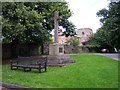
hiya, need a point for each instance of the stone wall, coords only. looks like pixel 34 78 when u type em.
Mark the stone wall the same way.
pixel 6 51
pixel 71 49
pixel 29 50
pixel 46 49
pixel 75 49
pixel 22 50
pixel 34 50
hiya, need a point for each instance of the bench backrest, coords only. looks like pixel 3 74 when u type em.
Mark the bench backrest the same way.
pixel 32 60
pixel 42 61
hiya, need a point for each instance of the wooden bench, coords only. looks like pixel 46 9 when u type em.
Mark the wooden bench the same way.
pixel 39 64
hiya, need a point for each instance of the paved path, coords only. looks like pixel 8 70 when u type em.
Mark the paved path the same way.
pixel 114 56
pixel 7 86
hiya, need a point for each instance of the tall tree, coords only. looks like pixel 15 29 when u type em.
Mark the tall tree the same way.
pixel 21 24
pixel 111 25
pixel 29 22
pixel 110 30
pixel 47 10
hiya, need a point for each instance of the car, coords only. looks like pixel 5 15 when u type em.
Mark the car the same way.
pixel 104 50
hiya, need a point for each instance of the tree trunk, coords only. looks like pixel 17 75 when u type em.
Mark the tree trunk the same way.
pixel 14 48
pixel 29 50
pixel 42 49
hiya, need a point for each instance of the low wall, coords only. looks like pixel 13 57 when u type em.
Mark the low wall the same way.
pixel 34 50
pixel 29 50
pixel 6 51
pixel 75 49
pixel 71 49
pixel 22 50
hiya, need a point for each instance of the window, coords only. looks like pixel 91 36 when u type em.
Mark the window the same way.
pixel 90 33
pixel 83 33
pixel 60 49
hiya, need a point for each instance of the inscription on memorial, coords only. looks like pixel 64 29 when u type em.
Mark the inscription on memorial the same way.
pixel 60 49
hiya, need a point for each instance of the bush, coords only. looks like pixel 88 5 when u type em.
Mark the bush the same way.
pixel 92 48
pixel 74 42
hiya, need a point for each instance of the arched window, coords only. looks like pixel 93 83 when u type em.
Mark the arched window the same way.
pixel 83 33
pixel 90 33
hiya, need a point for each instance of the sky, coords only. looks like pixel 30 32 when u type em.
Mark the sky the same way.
pixel 84 13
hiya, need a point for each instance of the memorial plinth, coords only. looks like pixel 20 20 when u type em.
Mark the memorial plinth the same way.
pixel 56 55
pixel 56 49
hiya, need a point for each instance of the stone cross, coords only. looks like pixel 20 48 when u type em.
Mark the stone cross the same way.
pixel 55 18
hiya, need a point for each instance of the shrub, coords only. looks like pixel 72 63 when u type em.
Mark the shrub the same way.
pixel 74 42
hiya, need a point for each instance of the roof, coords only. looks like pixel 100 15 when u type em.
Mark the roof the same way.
pixel 85 29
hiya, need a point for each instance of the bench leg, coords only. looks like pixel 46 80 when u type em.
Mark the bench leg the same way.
pixel 26 70
pixel 30 69
pixel 45 69
pixel 39 70
pixel 11 67
pixel 14 67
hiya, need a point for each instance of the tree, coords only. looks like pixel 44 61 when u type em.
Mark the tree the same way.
pixel 100 39
pixel 74 41
pixel 29 22
pixel 109 34
pixel 21 24
pixel 47 10
pixel 112 23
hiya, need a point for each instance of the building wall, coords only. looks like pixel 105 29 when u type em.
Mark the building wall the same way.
pixel 84 34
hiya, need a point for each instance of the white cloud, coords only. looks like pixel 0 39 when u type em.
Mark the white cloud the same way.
pixel 84 12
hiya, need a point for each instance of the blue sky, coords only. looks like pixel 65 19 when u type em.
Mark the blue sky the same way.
pixel 84 13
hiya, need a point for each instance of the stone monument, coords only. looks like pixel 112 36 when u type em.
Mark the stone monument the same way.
pixel 56 49
pixel 56 55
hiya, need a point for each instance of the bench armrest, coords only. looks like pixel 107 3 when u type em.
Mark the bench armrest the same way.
pixel 14 61
pixel 42 63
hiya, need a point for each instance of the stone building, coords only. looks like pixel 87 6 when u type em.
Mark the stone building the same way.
pixel 84 34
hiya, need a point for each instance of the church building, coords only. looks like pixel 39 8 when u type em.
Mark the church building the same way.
pixel 84 34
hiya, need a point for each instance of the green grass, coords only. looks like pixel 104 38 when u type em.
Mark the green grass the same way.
pixel 89 71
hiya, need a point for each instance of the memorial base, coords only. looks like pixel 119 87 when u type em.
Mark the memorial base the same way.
pixel 57 57
pixel 59 60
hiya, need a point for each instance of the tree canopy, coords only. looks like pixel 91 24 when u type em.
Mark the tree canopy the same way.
pixel 21 24
pixel 109 34
pixel 29 22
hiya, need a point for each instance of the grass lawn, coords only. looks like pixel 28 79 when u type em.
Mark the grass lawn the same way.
pixel 89 71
